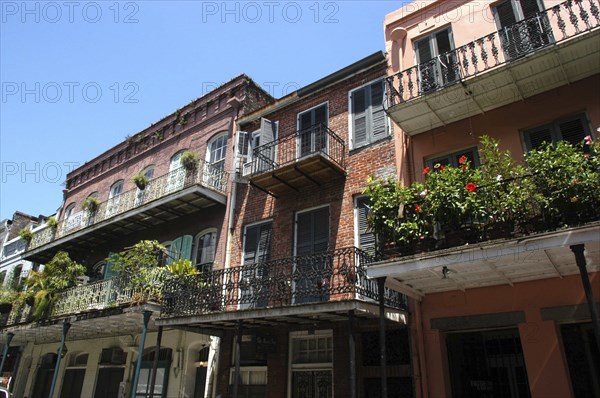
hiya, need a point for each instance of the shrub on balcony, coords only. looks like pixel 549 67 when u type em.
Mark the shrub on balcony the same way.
pixel 140 266
pixel 181 268
pixel 90 204
pixel 568 179
pixel 52 223
pixel 58 274
pixel 26 234
pixel 189 160
pixel 140 181
pixel 7 297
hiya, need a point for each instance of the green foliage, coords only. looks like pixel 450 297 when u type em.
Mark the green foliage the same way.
pixel 182 267
pixel 52 222
pixel 26 234
pixel 7 295
pixel 91 204
pixel 189 160
pixel 141 181
pixel 58 274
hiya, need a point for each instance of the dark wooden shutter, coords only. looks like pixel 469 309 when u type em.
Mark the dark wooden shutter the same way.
pixel 572 130
pixel 257 243
pixel 359 116
pixel 536 137
pixel 312 231
pixel 443 43
pixel 423 50
pixel 505 14
pixel 529 8
pixel 268 132
pixel 366 238
pixel 378 115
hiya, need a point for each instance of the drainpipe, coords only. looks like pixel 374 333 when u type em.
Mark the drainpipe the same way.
pixel 238 342
pixel 352 353
pixel 138 364
pixel 9 337
pixel 233 193
pixel 66 327
pixel 383 359
pixel 155 363
pixel 421 349
pixel 589 294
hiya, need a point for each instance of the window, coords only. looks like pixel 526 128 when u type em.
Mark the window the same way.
pixel 176 177
pixel 216 151
pixel 312 231
pixel 180 248
pixel 521 28
pixel 312 130
pixel 69 211
pixel 311 358
pixel 204 250
pixel 162 373
pixel 437 63
pixel 572 129
pixel 257 251
pixel 452 159
pixel 368 118
pixel 142 194
pixel 263 145
pixel 114 197
pixel 364 238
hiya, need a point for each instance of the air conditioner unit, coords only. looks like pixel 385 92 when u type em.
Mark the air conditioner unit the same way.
pixel 247 169
pixel 113 356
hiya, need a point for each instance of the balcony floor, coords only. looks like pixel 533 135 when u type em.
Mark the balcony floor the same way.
pixel 310 171
pixel 299 315
pixel 545 69
pixel 491 263
pixel 171 207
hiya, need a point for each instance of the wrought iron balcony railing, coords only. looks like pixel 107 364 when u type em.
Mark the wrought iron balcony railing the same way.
pixel 290 148
pixel 324 277
pixel 558 23
pixel 204 174
pixel 100 295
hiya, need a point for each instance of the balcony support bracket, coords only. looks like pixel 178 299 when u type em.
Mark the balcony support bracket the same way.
pixel 307 176
pixel 275 176
pixel 262 189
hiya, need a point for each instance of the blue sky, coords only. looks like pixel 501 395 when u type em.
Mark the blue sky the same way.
pixel 78 77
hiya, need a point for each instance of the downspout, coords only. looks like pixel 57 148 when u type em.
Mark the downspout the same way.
pixel 138 364
pixel 233 193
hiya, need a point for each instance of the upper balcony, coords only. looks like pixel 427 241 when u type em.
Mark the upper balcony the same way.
pixel 557 46
pixel 299 289
pixel 310 157
pixel 94 309
pixel 165 198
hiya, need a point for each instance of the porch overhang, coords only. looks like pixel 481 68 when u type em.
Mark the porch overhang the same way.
pixel 507 262
pixel 153 214
pixel 299 315
pixel 113 322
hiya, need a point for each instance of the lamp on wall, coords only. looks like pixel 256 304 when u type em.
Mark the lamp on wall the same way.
pixel 65 350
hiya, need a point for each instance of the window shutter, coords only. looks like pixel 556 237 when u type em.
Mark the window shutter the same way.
pixel 529 8
pixel 109 270
pixel 442 40
pixel 366 238
pixel 175 250
pixel 268 133
pixel 572 130
pixel 264 243
pixel 312 231
pixel 378 115
pixel 321 230
pixel 186 247
pixel 423 50
pixel 304 234
pixel 535 138
pixel 359 117
pixel 505 14
pixel 257 244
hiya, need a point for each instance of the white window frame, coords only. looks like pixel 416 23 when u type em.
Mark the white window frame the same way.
pixel 388 125
pixel 305 334
pixel 298 143
pixel 197 240
pixel 210 150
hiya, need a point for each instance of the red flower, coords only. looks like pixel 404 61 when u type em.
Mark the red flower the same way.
pixel 442 167
pixel 426 170
pixel 462 159
pixel 574 182
pixel 471 187
pixel 417 208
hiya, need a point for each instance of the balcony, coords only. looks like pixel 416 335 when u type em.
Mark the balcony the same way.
pixel 96 309
pixel 165 198
pixel 558 46
pixel 299 289
pixel 311 157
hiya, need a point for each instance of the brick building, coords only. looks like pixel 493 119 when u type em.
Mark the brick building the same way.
pixel 105 320
pixel 295 301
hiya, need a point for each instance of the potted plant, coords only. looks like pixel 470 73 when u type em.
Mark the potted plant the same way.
pixel 52 223
pixel 90 204
pixel 189 160
pixel 182 267
pixel 26 235
pixel 7 297
pixel 141 181
pixel 59 273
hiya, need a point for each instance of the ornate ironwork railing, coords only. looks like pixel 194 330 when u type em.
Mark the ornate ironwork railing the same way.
pixel 289 148
pixel 204 174
pixel 100 295
pixel 553 25
pixel 324 277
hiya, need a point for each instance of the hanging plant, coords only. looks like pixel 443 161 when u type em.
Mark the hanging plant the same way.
pixel 91 204
pixel 141 181
pixel 189 160
pixel 26 234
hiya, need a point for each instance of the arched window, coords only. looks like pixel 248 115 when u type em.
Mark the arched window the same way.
pixel 204 249
pixel 216 151
pixel 176 176
pixel 142 191
pixel 149 172
pixel 114 197
pixel 69 211
pixel 162 372
pixel 98 271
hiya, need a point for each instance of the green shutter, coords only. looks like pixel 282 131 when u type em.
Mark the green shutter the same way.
pixel 109 270
pixel 181 248
pixel 174 250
